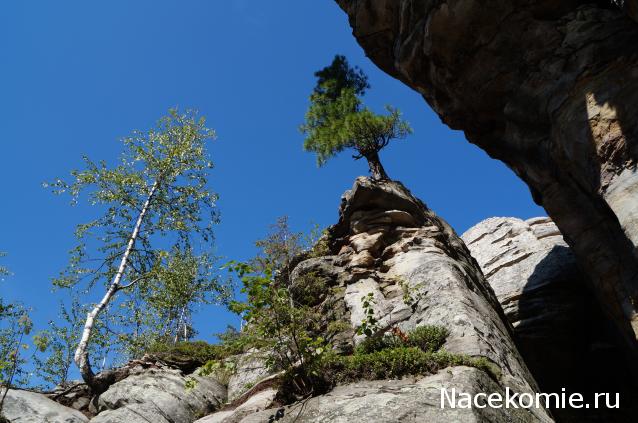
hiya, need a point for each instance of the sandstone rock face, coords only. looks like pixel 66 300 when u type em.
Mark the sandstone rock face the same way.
pixel 535 276
pixel 250 368
pixel 159 396
pixel 407 401
pixel 31 407
pixel 256 403
pixel 537 281
pixel 551 89
pixel 560 330
pixel 419 272
pixel 389 244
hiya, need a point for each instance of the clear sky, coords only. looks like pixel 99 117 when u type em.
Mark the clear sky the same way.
pixel 77 75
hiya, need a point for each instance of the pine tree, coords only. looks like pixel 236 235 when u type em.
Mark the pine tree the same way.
pixel 337 119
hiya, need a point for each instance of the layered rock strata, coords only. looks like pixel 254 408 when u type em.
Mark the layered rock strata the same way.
pixel 551 89
pixel 559 328
pixel 389 244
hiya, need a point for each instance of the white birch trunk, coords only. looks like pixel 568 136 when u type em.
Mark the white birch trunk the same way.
pixel 81 356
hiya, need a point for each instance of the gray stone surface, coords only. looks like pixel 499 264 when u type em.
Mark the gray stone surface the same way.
pixel 551 89
pixel 250 368
pixel 408 400
pixel 257 402
pixel 524 260
pixel 560 331
pixel 419 272
pixel 537 281
pixel 31 407
pixel 159 396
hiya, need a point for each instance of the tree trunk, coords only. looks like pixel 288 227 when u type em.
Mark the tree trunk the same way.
pixel 376 168
pixel 81 357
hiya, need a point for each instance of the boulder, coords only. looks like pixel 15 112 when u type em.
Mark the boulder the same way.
pixel 32 407
pixel 257 402
pixel 159 396
pixel 250 368
pixel 389 244
pixel 536 278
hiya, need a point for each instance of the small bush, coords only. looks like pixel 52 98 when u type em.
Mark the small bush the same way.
pixel 389 364
pixel 378 343
pixel 386 357
pixel 232 342
pixel 426 338
pixel 200 351
pixel 330 369
pixel 321 243
pixel 219 370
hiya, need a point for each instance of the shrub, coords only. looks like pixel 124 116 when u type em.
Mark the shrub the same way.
pixel 386 357
pixel 331 369
pixel 389 364
pixel 220 370
pixel 426 338
pixel 200 351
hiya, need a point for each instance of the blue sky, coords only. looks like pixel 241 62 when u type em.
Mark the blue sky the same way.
pixel 78 75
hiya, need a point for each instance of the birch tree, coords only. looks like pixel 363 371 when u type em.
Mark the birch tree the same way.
pixel 154 200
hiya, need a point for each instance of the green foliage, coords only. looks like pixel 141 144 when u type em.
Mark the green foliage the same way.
pixel 411 294
pixel 407 295
pixel 62 338
pixel 200 351
pixel 182 282
pixel 320 242
pixel 333 79
pixel 15 325
pixel 390 364
pixel 279 319
pixel 426 338
pixel 232 342
pixel 275 321
pixel 221 370
pixel 337 120
pixel 169 268
pixel 387 357
pixel 369 325
pixel 172 153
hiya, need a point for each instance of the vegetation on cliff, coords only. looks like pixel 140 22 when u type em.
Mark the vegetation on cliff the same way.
pixel 337 119
pixel 286 324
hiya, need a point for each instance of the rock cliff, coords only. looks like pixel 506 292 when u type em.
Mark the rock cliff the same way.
pixel 558 326
pixel 506 286
pixel 389 244
pixel 548 87
pixel 535 277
